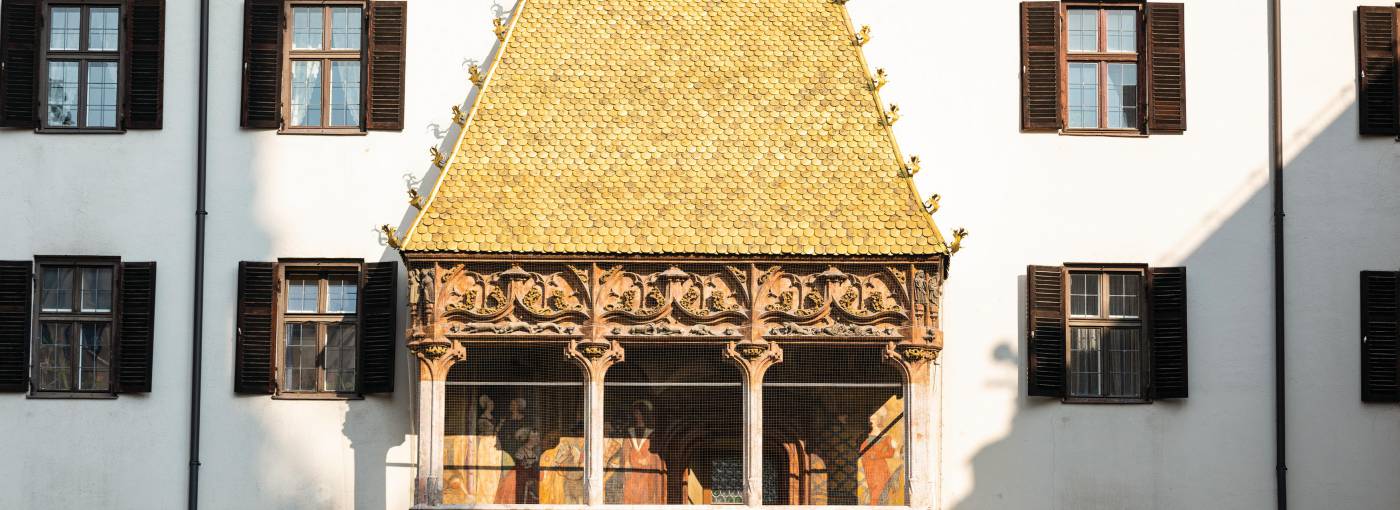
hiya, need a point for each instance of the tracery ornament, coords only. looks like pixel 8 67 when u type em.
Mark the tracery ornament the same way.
pixel 697 301
pixel 550 300
pixel 869 302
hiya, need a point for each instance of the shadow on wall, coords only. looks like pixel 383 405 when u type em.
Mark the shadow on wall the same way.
pixel 1039 462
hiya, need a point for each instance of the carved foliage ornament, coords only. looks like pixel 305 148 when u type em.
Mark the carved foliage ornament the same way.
pixel 832 302
pixel 702 301
pixel 513 300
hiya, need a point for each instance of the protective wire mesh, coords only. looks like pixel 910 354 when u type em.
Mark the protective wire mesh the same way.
pixel 514 426
pixel 833 428
pixel 674 426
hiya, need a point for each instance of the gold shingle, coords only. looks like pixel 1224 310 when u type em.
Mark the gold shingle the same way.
pixel 734 127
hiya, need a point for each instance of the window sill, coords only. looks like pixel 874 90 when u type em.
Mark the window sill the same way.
pixel 62 395
pixel 1119 133
pixel 317 396
pixel 77 131
pixel 323 131
pixel 1105 401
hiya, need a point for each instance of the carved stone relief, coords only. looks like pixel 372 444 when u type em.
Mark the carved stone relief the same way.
pixel 695 301
pixel 546 300
pixel 864 302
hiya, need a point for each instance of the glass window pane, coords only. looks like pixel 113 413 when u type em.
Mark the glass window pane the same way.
pixel 102 29
pixel 1122 30
pixel 1124 295
pixel 63 94
pixel 340 357
pixel 345 93
pixel 308 28
pixel 1085 362
pixel 1122 353
pixel 1122 96
pixel 1084 294
pixel 833 429
pixel 300 357
pixel 341 294
pixel 1083 95
pixel 97 289
pixel 302 294
pixel 101 94
pixel 94 357
pixel 514 427
pixel 345 28
pixel 306 93
pixel 53 361
pixel 1083 29
pixel 57 286
pixel 65 28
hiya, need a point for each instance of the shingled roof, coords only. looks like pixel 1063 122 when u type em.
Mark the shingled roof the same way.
pixel 710 127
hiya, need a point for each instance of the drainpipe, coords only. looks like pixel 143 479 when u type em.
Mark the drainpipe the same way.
pixel 197 339
pixel 1276 180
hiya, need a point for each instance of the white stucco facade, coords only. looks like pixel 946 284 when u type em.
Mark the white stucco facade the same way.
pixel 1200 200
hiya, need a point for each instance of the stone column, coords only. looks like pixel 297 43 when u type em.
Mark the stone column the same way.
pixel 915 361
pixel 595 356
pixel 754 357
pixel 435 358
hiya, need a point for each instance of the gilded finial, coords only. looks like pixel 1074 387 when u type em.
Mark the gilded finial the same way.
pixel 892 116
pixel 438 159
pixel 500 24
pixel 864 35
pixel 931 205
pixel 912 168
pixel 958 236
pixel 879 80
pixel 458 117
pixel 414 199
pixel 839 2
pixel 477 77
pixel 390 235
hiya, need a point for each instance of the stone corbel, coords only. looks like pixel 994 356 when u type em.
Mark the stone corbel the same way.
pixel 595 356
pixel 754 357
pixel 436 357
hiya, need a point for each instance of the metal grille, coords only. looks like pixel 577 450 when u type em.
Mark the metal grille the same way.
pixel 674 426
pixel 833 428
pixel 514 426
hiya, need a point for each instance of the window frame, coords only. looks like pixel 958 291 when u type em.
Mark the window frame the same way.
pixel 1104 320
pixel 323 269
pixel 82 56
pixel 1102 57
pixel 325 56
pixel 112 317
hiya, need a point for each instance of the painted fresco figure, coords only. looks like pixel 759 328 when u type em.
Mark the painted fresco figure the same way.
pixel 643 471
pixel 562 474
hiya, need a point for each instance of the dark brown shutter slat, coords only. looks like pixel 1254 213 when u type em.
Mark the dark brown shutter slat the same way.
pixel 145 63
pixel 136 340
pixel 1378 80
pixel 1040 66
pixel 19 61
pixel 1166 67
pixel 262 63
pixel 379 322
pixel 1045 316
pixel 388 38
pixel 15 295
pixel 253 364
pixel 1167 299
pixel 1380 336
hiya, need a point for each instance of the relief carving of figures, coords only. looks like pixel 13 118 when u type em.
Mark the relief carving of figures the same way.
pixel 674 302
pixel 475 300
pixel 832 302
pixel 420 299
pixel 927 289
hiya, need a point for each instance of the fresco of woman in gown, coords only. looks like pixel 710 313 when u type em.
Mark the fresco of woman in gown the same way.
pixel 638 474
pixel 882 460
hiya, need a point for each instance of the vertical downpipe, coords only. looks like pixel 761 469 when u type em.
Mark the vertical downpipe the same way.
pixel 197 336
pixel 1276 179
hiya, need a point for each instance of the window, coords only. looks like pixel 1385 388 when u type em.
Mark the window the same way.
pixel 324 62
pixel 319 328
pixel 1083 63
pixel 1378 90
pixel 1106 332
pixel 81 64
pixel 73 351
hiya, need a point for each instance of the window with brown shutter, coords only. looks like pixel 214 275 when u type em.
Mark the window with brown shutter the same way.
pixel 1102 67
pixel 73 66
pixel 1106 332
pixel 1378 76
pixel 323 67
pixel 316 328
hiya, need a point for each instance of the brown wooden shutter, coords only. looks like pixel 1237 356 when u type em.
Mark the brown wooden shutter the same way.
pixel 1166 67
pixel 15 306
pixel 1378 90
pixel 262 63
pixel 144 64
pixel 253 364
pixel 1380 336
pixel 1045 325
pixel 1040 66
pixel 1167 300
pixel 136 339
pixel 388 36
pixel 19 61
pixel 378 324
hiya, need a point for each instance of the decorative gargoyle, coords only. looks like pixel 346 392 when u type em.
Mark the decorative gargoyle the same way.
pixel 500 28
pixel 458 117
pixel 477 76
pixel 439 160
pixel 892 116
pixel 958 236
pixel 390 235
pixel 931 205
pixel 414 199
pixel 912 168
pixel 879 80
pixel 863 36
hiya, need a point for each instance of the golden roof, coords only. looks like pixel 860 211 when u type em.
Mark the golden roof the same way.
pixel 715 127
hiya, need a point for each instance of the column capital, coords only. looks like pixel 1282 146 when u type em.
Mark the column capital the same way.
pixel 596 356
pixel 912 358
pixel 755 357
pixel 436 357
